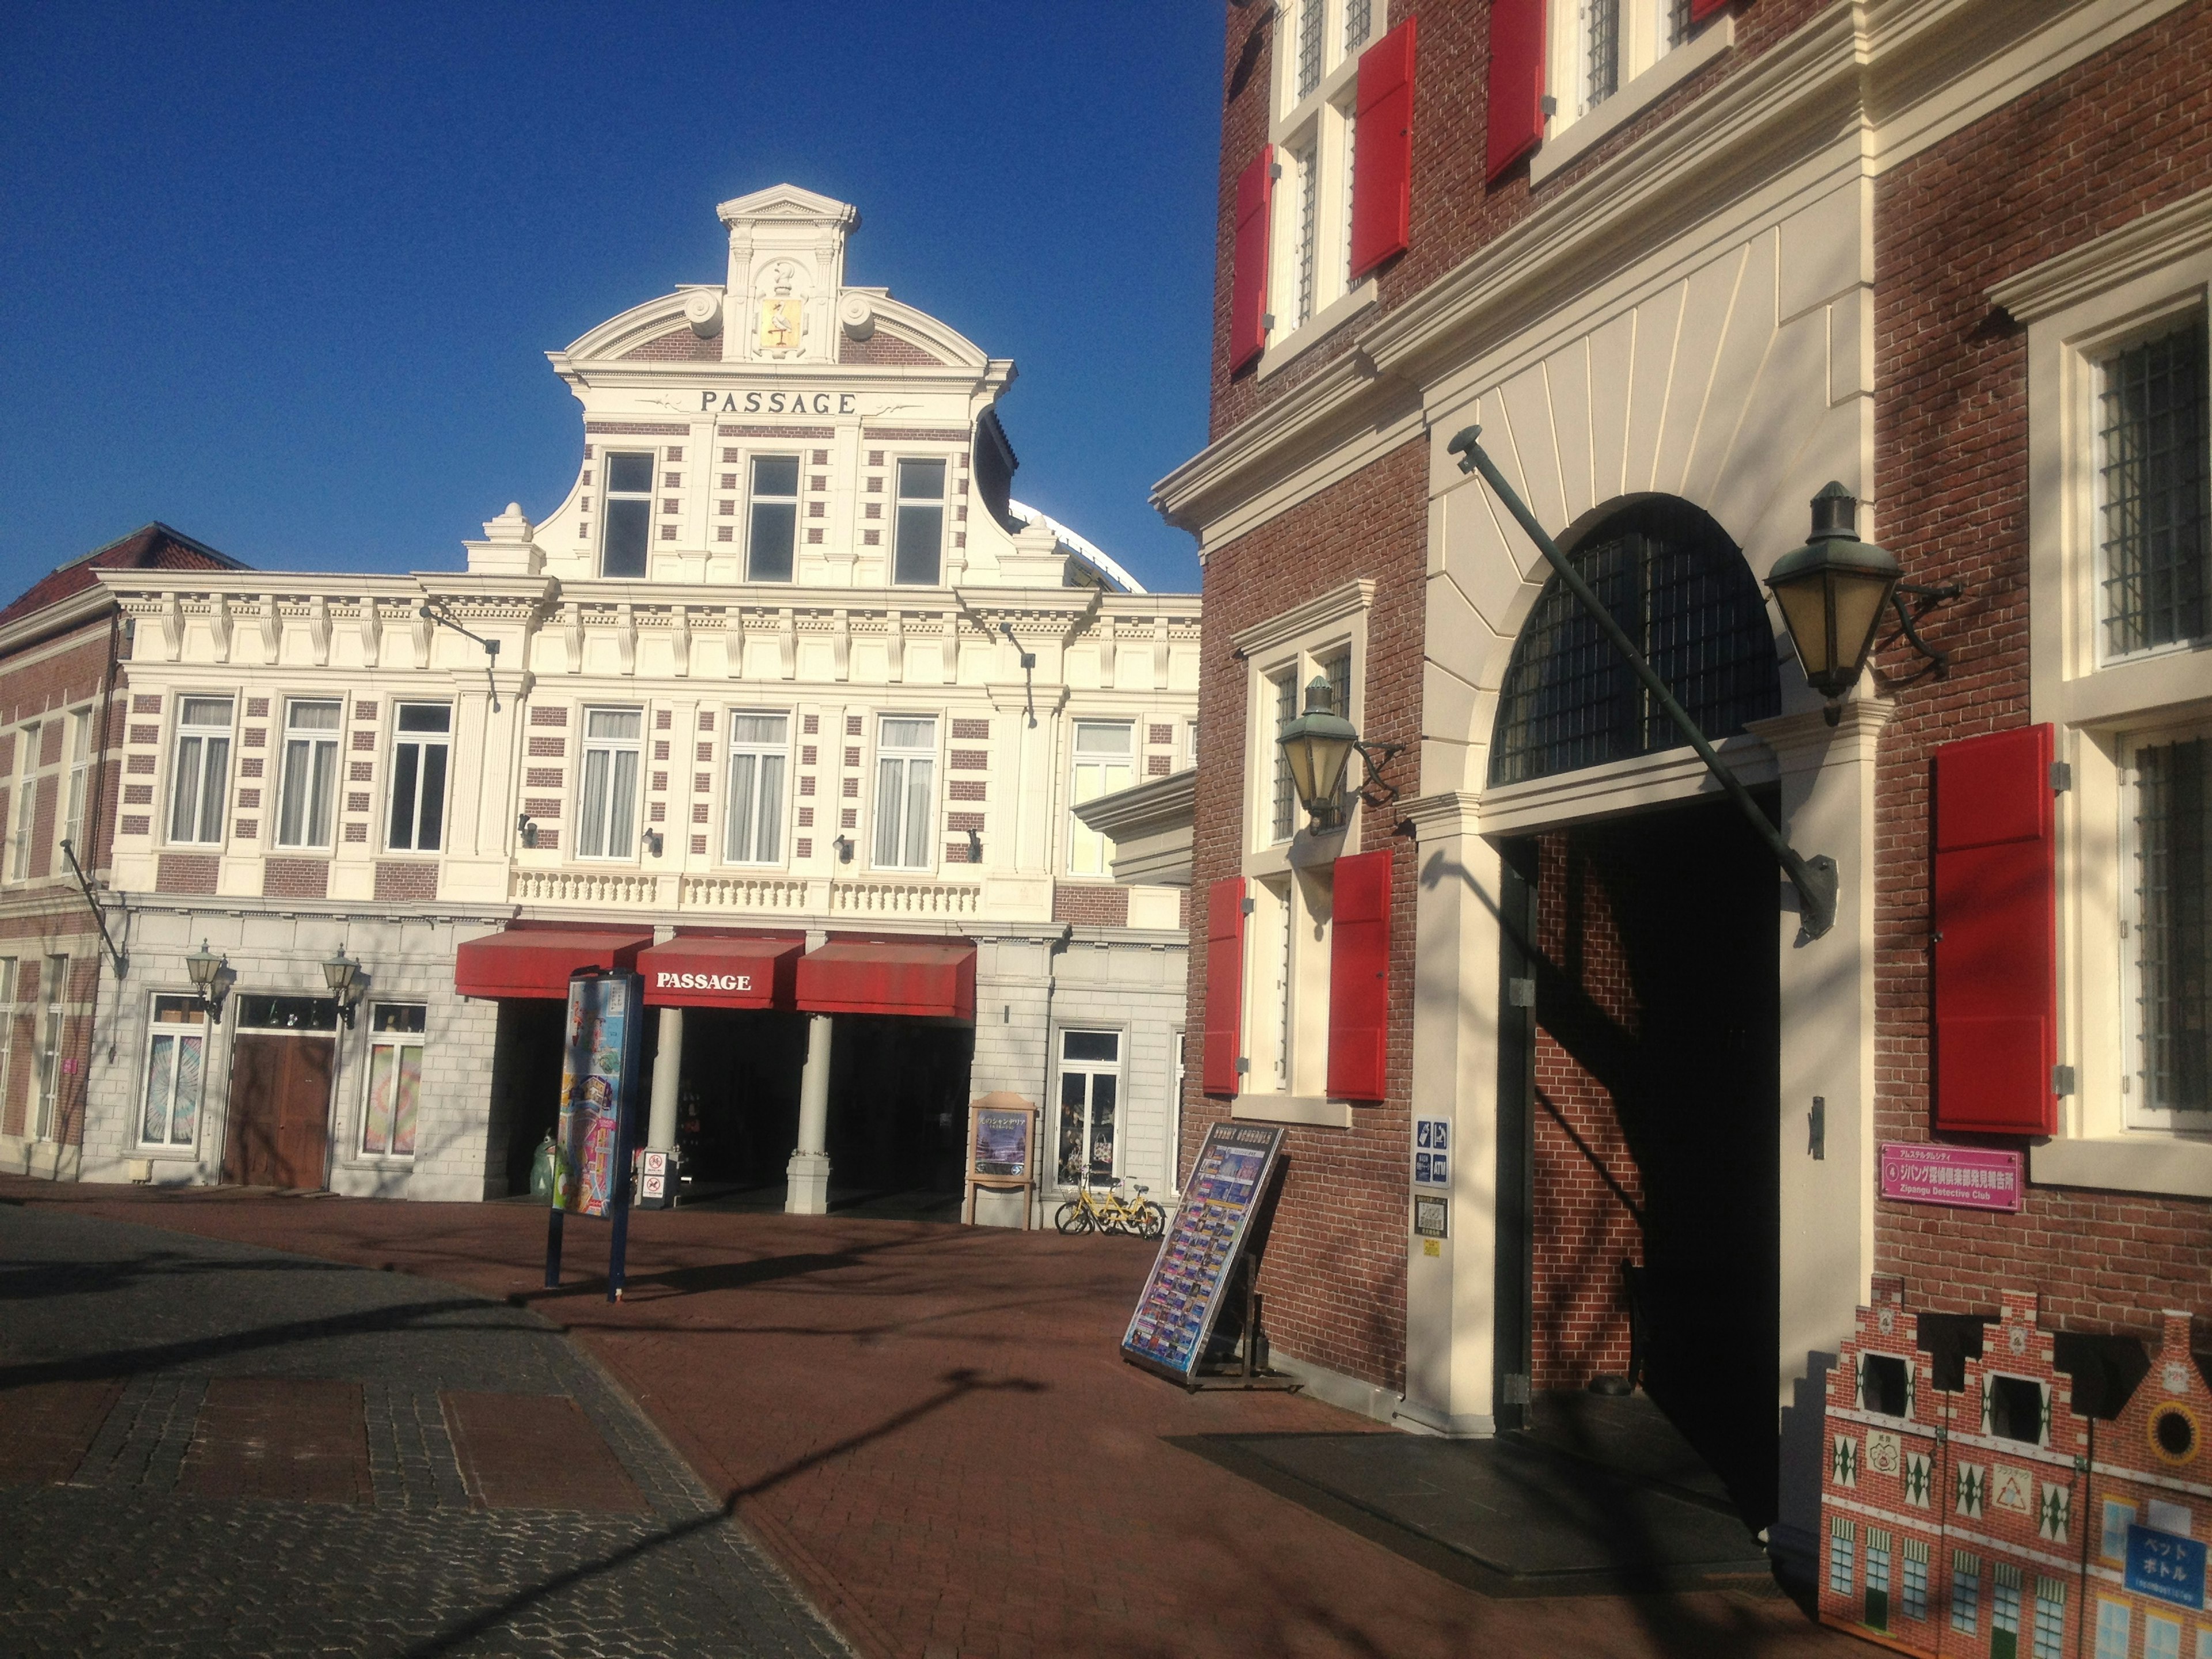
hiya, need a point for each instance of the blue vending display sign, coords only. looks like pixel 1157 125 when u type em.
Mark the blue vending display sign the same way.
pixel 2163 1565
pixel 1176 1315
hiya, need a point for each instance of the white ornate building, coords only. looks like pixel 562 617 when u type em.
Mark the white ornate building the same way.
pixel 787 697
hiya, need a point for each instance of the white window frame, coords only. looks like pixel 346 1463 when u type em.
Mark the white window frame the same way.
pixel 1116 1068
pixel 27 742
pixel 771 801
pixel 1088 776
pixel 309 755
pixel 212 779
pixel 2137 1111
pixel 1309 292
pixel 901 502
pixel 1660 49
pixel 2078 307
pixel 401 1044
pixel 2097 357
pixel 620 809
pixel 10 968
pixel 908 758
pixel 177 1032
pixel 756 499
pixel 79 790
pixel 53 995
pixel 423 743
pixel 609 496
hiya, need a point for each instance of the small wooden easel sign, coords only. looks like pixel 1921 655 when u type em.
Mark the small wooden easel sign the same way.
pixel 1002 1139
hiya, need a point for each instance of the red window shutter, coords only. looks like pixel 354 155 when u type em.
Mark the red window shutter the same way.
pixel 1248 269
pixel 1360 978
pixel 1701 9
pixel 1383 151
pixel 1224 986
pixel 1996 951
pixel 1517 82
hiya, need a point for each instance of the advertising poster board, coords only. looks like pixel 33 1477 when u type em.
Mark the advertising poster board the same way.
pixel 1181 1299
pixel 1002 1139
pixel 599 1089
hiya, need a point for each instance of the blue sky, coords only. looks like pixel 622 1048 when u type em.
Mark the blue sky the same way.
pixel 283 276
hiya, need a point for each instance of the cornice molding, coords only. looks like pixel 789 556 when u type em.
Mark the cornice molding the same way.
pixel 1158 805
pixel 88 604
pixel 1347 600
pixel 2175 232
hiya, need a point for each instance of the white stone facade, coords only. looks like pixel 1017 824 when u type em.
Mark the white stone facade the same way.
pixel 1001 644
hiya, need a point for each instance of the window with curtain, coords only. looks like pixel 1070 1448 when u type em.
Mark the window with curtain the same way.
pixel 606 800
pixel 176 1064
pixel 306 805
pixel 392 1090
pixel 1104 762
pixel 906 793
pixel 201 772
pixel 27 799
pixel 759 752
pixel 421 734
pixel 80 783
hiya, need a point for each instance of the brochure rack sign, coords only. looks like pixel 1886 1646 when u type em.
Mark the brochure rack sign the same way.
pixel 593 1085
pixel 1176 1315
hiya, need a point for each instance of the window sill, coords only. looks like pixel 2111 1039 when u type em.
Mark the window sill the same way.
pixel 1568 144
pixel 2169 1166
pixel 167 1154
pixel 1318 327
pixel 1292 1108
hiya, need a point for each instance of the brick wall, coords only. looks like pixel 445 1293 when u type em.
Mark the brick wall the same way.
pixel 1086 906
pixel 1335 1273
pixel 1585 1176
pixel 2122 133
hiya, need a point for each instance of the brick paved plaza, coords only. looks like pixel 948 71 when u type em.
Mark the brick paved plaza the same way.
pixel 928 1427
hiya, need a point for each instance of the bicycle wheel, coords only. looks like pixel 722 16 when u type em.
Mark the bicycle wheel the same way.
pixel 1151 1220
pixel 1072 1218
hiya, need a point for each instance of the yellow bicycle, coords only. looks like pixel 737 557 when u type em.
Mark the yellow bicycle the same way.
pixel 1110 1212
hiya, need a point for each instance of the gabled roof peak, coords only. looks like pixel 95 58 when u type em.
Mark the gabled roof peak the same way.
pixel 789 202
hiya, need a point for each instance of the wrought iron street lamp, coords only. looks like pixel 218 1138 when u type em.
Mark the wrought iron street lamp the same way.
pixel 342 974
pixel 206 969
pixel 1833 592
pixel 1317 746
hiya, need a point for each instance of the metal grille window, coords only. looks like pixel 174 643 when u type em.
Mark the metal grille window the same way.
pixel 1678 21
pixel 1351 130
pixel 2173 932
pixel 1285 823
pixel 606 808
pixel 2154 476
pixel 1306 160
pixel 176 1064
pixel 1600 51
pixel 27 800
pixel 1359 17
pixel 760 745
pixel 1104 762
pixel 1684 594
pixel 307 802
pixel 1089 1100
pixel 627 526
pixel 1965 1591
pixel 392 1090
pixel 418 778
pixel 773 530
pixel 80 779
pixel 202 772
pixel 1309 42
pixel 906 793
pixel 920 522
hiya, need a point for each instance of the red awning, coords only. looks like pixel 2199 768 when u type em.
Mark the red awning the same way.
pixel 702 970
pixel 924 977
pixel 536 962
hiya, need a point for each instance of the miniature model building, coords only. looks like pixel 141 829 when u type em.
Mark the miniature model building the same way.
pixel 1953 1515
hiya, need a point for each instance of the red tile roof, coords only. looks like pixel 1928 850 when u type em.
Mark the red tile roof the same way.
pixel 154 547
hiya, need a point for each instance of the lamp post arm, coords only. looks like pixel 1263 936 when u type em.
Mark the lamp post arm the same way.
pixel 1814 879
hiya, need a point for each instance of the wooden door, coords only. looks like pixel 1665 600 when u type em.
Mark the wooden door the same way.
pixel 280 1110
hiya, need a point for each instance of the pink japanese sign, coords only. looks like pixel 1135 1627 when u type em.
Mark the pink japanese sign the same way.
pixel 1965 1177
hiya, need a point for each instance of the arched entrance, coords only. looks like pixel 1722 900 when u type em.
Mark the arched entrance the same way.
pixel 1640 1096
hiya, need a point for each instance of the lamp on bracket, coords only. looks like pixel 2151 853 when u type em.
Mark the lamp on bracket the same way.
pixel 342 973
pixel 1319 744
pixel 207 969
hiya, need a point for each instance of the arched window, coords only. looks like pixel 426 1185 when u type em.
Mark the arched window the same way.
pixel 1672 579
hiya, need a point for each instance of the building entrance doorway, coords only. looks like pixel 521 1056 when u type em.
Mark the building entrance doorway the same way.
pixel 281 1064
pixel 898 1113
pixel 1648 1230
pixel 737 1107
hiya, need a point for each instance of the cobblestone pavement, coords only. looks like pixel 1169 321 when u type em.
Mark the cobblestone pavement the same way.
pixel 930 1427
pixel 207 1448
